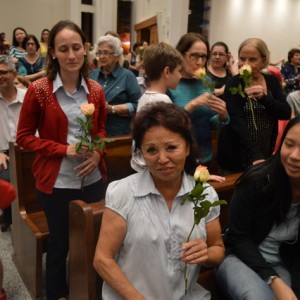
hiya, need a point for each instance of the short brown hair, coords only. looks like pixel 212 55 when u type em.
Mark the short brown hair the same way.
pixel 157 57
pixel 171 117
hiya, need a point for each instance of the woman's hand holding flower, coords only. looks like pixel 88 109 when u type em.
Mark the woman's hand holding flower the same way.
pixel 87 166
pixel 194 252
pixel 255 92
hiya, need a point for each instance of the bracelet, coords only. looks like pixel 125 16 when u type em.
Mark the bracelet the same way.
pixel 270 279
pixel 113 111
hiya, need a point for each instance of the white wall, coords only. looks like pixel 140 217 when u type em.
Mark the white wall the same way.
pixel 172 17
pixel 32 15
pixel 277 22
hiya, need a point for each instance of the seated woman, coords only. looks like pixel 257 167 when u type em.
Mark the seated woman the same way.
pixel 262 238
pixel 31 65
pixel 16 51
pixel 142 249
pixel 291 71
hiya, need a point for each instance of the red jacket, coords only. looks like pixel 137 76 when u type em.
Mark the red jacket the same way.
pixel 41 110
pixel 7 192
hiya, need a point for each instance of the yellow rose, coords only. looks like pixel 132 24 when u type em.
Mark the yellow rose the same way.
pixel 199 73
pixel 201 174
pixel 87 109
pixel 245 68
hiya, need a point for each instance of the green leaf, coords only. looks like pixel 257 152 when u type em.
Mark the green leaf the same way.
pixel 78 147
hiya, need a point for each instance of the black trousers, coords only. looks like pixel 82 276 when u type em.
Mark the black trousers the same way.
pixel 56 207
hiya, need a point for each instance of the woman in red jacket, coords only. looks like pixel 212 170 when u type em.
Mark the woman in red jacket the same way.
pixel 51 107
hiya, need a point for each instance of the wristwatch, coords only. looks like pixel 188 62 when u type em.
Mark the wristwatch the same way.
pixel 270 279
pixel 113 111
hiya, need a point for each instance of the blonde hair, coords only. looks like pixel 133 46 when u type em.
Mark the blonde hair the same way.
pixel 260 45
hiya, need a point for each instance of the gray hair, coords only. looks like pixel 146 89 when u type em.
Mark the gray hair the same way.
pixel 7 61
pixel 113 42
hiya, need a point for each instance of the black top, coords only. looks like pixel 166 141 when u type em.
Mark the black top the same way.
pixel 249 224
pixel 240 143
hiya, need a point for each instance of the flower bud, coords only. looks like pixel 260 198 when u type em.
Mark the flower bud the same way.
pixel 87 109
pixel 201 174
pixel 199 73
pixel 245 69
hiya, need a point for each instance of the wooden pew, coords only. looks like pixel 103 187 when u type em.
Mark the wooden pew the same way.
pixel 85 222
pixel 29 226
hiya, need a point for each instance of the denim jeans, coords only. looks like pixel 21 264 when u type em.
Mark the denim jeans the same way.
pixel 239 282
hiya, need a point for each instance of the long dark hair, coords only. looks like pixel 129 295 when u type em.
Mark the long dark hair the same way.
pixel 14 40
pixel 170 117
pixel 52 63
pixel 277 190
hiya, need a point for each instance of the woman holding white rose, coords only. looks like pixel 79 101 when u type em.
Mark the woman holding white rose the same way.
pixel 254 111
pixel 207 111
pixel 142 249
pixel 51 106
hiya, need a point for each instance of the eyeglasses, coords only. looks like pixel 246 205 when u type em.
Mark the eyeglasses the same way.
pixel 30 44
pixel 221 54
pixel 196 56
pixel 105 53
pixel 4 72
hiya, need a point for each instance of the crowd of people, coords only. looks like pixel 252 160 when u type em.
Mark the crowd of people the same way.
pixel 156 95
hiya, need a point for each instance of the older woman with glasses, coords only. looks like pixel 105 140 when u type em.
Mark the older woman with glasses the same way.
pixel 121 88
pixel 196 96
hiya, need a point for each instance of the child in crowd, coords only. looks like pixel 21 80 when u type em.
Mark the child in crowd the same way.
pixel 162 64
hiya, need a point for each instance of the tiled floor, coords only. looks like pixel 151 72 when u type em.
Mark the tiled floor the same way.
pixel 13 284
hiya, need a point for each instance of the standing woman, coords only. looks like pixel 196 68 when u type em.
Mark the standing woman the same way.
pixel 44 42
pixel 51 106
pixel 251 135
pixel 262 239
pixel 121 88
pixel 16 50
pixel 32 64
pixel 220 67
pixel 207 111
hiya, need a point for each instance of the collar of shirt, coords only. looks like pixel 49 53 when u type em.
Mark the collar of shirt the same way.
pixel 19 97
pixel 114 73
pixel 57 83
pixel 143 189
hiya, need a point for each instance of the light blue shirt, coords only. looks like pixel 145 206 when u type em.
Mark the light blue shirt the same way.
pixel 150 255
pixel 286 232
pixel 70 104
